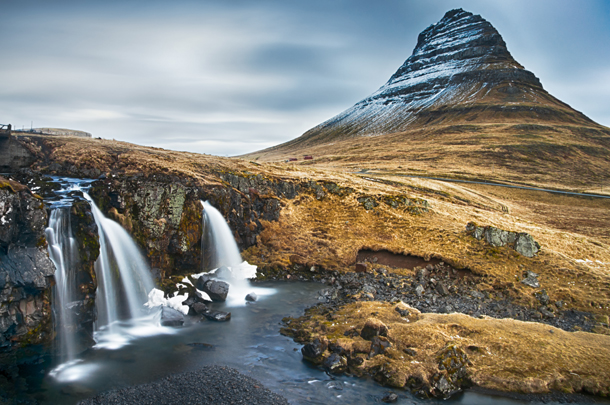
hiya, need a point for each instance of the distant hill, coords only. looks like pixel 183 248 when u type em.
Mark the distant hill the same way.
pixel 460 104
pixel 56 132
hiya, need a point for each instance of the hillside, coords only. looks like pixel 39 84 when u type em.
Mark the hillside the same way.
pixel 461 106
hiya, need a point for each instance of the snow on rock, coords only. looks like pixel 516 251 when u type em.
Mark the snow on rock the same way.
pixel 157 298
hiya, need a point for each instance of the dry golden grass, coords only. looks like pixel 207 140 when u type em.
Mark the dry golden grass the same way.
pixel 505 354
pixel 570 157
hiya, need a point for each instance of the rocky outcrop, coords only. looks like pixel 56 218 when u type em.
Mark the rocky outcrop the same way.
pixel 164 214
pixel 13 155
pixel 25 267
pixel 522 242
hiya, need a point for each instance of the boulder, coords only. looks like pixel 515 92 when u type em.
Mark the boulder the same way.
pixel 526 245
pixel 218 316
pixel 531 279
pixel 171 317
pixel 373 327
pixel 335 363
pixel 312 351
pixel 217 290
pixel 251 297
pixel 542 297
pixel 378 346
pixel 402 309
pixel 198 308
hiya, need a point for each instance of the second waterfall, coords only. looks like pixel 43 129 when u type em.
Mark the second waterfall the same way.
pixel 124 279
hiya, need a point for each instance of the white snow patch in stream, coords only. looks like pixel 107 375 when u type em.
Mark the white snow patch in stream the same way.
pixel 157 298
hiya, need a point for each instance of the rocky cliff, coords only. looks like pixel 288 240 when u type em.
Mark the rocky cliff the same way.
pixel 25 268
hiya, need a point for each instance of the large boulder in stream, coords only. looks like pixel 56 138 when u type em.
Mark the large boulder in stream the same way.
pixel 217 290
pixel 171 317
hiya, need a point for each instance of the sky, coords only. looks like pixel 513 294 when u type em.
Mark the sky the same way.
pixel 232 77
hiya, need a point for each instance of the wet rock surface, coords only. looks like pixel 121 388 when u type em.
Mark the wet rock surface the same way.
pixel 210 385
pixel 171 317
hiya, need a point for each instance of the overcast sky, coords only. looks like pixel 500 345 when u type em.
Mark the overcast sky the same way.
pixel 230 77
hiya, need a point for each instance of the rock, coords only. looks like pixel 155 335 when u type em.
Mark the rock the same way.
pixel 402 309
pixel 312 351
pixel 419 290
pixel 495 237
pixel 199 308
pixel 369 289
pixel 251 297
pixel 526 245
pixel 373 327
pixel 442 290
pixel 389 398
pixel 477 294
pixel 546 312
pixel 217 290
pixel 218 316
pixel 531 279
pixel 542 297
pixel 378 346
pixel 171 317
pixel 335 363
pixel 361 267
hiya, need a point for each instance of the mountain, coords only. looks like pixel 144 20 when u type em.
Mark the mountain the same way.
pixel 462 93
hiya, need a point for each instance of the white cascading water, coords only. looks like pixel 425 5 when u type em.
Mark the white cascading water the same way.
pixel 64 255
pixel 219 247
pixel 124 279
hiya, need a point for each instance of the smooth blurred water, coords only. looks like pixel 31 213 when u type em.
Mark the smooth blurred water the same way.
pixel 249 342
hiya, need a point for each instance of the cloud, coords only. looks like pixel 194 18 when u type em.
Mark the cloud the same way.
pixel 233 77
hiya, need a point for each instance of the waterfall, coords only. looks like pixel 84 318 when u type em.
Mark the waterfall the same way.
pixel 124 279
pixel 64 255
pixel 218 243
pixel 219 249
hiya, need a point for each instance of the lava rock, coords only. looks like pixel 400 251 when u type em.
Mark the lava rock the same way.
pixel 442 290
pixel 171 317
pixel 526 245
pixel 312 351
pixel 373 327
pixel 251 297
pixel 378 346
pixel 542 297
pixel 217 290
pixel 218 316
pixel 198 308
pixel 335 363
pixel 389 398
pixel 531 279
